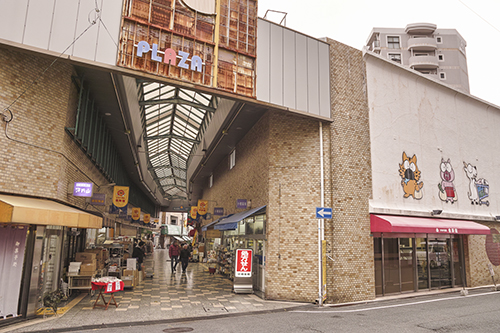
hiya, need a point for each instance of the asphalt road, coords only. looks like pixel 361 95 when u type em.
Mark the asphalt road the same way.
pixel 477 312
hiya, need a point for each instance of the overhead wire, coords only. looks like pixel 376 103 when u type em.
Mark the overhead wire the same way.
pixel 7 119
pixel 482 18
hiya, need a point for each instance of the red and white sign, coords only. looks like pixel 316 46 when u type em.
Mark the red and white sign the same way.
pixel 243 263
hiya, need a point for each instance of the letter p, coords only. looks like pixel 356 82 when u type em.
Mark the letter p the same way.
pixel 142 47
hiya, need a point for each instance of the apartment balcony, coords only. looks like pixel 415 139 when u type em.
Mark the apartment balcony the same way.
pixel 420 28
pixel 421 62
pixel 422 44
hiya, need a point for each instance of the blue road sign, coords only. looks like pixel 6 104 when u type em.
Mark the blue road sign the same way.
pixel 323 213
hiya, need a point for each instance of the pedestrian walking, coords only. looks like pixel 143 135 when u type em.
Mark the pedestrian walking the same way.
pixel 173 252
pixel 185 256
pixel 139 254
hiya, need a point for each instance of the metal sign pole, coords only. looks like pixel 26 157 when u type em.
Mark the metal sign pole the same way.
pixel 320 222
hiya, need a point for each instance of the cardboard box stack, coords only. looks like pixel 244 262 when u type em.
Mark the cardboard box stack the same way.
pixel 101 257
pixel 130 277
pixel 89 263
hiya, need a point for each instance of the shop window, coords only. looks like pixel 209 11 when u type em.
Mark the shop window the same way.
pixel 259 224
pixel 232 159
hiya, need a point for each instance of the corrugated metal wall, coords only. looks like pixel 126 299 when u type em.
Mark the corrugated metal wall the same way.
pixel 54 24
pixel 293 70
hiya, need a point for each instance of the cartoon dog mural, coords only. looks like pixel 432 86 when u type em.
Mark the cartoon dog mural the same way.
pixel 478 187
pixel 410 175
pixel 447 191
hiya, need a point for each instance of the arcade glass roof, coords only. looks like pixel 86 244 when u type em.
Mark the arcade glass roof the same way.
pixel 173 120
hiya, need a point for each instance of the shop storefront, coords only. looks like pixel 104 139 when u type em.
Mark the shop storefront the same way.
pixel 414 254
pixel 38 236
pixel 245 230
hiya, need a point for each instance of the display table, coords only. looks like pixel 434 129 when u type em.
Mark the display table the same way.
pixel 107 288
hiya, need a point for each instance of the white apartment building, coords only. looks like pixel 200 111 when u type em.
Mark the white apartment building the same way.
pixel 439 53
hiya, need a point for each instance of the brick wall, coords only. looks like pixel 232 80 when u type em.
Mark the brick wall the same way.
pixel 351 274
pixel 42 160
pixel 477 260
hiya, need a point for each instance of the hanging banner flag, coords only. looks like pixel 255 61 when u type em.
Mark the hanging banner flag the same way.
pixel 120 196
pixel 147 218
pixel 194 212
pixel 136 214
pixel 202 207
pixel 195 238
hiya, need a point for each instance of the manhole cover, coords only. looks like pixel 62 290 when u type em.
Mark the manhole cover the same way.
pixel 178 329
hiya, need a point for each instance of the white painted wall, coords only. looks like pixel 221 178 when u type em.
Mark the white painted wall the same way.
pixel 52 25
pixel 410 113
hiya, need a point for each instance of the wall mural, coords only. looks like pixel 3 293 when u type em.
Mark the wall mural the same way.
pixel 410 175
pixel 479 188
pixel 447 190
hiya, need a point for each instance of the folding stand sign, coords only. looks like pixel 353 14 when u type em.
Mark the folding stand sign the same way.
pixel 243 280
pixel 107 288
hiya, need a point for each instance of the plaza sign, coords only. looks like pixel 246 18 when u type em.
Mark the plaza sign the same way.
pixel 169 56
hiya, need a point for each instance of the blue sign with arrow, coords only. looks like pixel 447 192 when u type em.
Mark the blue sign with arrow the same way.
pixel 323 213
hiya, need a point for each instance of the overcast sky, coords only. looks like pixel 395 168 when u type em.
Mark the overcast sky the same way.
pixel 351 21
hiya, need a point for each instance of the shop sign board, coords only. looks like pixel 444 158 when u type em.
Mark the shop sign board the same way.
pixel 214 47
pixel 241 203
pixel 219 211
pixel 243 263
pixel 98 199
pixel 243 280
pixel 136 214
pixel 81 189
pixel 147 218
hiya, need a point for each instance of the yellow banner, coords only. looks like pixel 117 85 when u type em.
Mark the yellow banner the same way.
pixel 136 214
pixel 120 196
pixel 202 207
pixel 195 238
pixel 147 218
pixel 194 211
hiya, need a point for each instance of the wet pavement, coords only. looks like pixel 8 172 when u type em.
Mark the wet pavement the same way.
pixel 166 296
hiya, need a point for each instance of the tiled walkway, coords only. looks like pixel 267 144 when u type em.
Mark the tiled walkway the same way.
pixel 167 295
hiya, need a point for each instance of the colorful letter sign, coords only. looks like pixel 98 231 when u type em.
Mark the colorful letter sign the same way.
pixel 243 263
pixel 120 196
pixel 202 207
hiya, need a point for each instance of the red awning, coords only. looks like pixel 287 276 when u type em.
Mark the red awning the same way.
pixel 423 225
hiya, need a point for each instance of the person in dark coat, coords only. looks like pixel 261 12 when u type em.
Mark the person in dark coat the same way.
pixel 185 256
pixel 139 254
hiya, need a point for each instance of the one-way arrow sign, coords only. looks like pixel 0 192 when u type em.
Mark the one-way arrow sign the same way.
pixel 323 213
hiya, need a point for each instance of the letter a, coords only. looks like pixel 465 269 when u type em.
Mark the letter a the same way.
pixel 196 63
pixel 170 57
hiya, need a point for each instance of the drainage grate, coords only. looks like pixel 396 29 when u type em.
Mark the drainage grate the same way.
pixel 214 308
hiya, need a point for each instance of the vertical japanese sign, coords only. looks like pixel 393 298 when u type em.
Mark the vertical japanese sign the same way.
pixel 120 196
pixel 202 207
pixel 243 263
pixel 12 246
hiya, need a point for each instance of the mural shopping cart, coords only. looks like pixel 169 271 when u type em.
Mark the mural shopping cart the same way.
pixel 483 191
